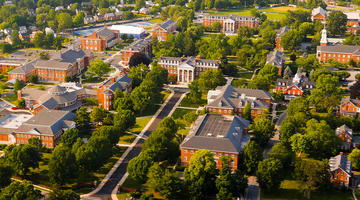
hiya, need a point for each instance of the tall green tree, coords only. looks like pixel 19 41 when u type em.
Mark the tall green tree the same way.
pixel 64 21
pixel 223 182
pixel 252 156
pixel 62 165
pixel 201 174
pixel 263 129
pixel 336 23
pixel 138 167
pixel 64 195
pixel 6 173
pixel 354 157
pixel 22 157
pixel 124 119
pixel 269 173
pixel 99 68
pixel 83 121
pixel 20 190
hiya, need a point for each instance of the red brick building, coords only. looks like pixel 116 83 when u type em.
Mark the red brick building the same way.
pixel 349 107
pixel 279 34
pixel 223 135
pixel 64 63
pixel 228 100
pixel 161 31
pixel 346 135
pixel 295 86
pixel 99 40
pixel 340 53
pixel 230 23
pixel 187 68
pixel 106 91
pixel 341 170
pixel 138 46
pixel 318 14
pixel 8 64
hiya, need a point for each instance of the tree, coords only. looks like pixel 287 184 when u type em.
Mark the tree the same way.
pixel 312 174
pixel 97 115
pixel 69 137
pixel 124 119
pixel 16 42
pixel 64 21
pixel 20 103
pixel 83 121
pixel 210 79
pixel 138 73
pixel 123 103
pixel 355 89
pixel 201 174
pixel 280 151
pixel 139 166
pixel 247 111
pixel 354 157
pixel 33 78
pixel 287 73
pixel 18 85
pixel 336 23
pixel 79 19
pixel 195 93
pixel 64 195
pixel 36 142
pixel 137 59
pixel 62 165
pixel 99 68
pixel 269 173
pixel 44 55
pixel 223 182
pixel 22 157
pixel 140 98
pixel 6 173
pixel 39 40
pixel 252 156
pixel 263 129
pixel 20 190
pixel 291 40
pixel 139 4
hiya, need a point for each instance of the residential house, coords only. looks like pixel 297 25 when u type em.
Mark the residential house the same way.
pixel 109 16
pixel 99 40
pixel 161 31
pixel 60 97
pixel 223 135
pixel 230 100
pixel 279 34
pixel 349 107
pixel 47 125
pixel 138 46
pixel 318 14
pixel 187 68
pixel 144 11
pixel 230 23
pixel 346 135
pixel 106 90
pixel 341 170
pixel 295 86
pixel 278 59
pixel 99 18
pixel 88 20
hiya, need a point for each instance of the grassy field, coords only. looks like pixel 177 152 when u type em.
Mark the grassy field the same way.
pixel 134 185
pixel 156 20
pixel 180 112
pixel 126 139
pixel 188 103
pixel 165 94
pixel 290 189
pixel 140 124
pixel 11 98
pixel 275 13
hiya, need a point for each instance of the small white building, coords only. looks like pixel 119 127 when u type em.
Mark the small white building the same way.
pixel 136 32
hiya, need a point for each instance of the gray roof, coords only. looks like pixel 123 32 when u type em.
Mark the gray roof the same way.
pixel 104 32
pixel 110 14
pixel 300 80
pixel 138 45
pixel 120 83
pixel 340 161
pixel 276 58
pixel 71 55
pixel 348 49
pixel 25 69
pixel 220 133
pixel 52 64
pixel 47 122
pixel 166 25
pixel 12 61
pixel 232 97
pixel 318 10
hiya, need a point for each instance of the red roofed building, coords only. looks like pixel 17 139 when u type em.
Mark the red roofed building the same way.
pixel 294 87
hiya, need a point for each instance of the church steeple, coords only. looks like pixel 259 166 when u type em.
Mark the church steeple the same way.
pixel 323 41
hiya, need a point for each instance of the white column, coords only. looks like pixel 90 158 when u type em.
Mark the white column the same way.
pixel 178 74
pixel 183 73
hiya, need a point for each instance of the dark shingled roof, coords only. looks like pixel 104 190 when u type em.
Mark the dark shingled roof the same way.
pixel 104 32
pixel 276 58
pixel 340 161
pixel 221 133
pixel 282 31
pixel 166 25
pixel 349 49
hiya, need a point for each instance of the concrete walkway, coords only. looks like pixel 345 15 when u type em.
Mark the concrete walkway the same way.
pixel 116 177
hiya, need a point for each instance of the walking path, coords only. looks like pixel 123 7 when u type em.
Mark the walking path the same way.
pixel 117 175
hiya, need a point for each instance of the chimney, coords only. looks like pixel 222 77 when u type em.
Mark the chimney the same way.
pixel 341 153
pixel 113 79
pixel 19 94
pixel 160 57
pixel 198 57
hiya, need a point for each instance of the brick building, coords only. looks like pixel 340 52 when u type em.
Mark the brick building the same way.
pixel 161 31
pixel 223 135
pixel 349 107
pixel 58 97
pixel 295 86
pixel 318 14
pixel 187 68
pixel 279 34
pixel 229 100
pixel 99 40
pixel 341 170
pixel 230 23
pixel 339 53
pixel 138 46
pixel 47 125
pixel 7 64
pixel 352 18
pixel 64 63
pixel 107 89
pixel 278 59
pixel 346 135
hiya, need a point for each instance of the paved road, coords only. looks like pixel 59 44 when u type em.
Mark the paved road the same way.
pixel 109 186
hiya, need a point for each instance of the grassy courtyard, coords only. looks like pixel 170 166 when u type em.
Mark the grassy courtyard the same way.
pixel 140 124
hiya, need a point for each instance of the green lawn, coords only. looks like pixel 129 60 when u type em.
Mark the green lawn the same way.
pixel 156 20
pixel 165 95
pixel 140 124
pixel 180 112
pixel 11 98
pixel 132 184
pixel 290 189
pixel 149 111
pixel 246 75
pixel 186 102
pixel 126 139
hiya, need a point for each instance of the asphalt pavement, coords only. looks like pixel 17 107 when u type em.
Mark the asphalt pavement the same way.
pixel 105 191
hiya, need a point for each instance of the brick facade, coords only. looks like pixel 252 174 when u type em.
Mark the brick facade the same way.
pixel 231 23
pixel 138 46
pixel 162 30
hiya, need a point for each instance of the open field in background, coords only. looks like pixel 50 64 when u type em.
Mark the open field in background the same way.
pixel 275 13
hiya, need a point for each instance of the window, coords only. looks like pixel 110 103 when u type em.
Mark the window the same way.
pixel 232 155
pixel 219 154
pixel 185 158
pixel 185 151
pixel 191 151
